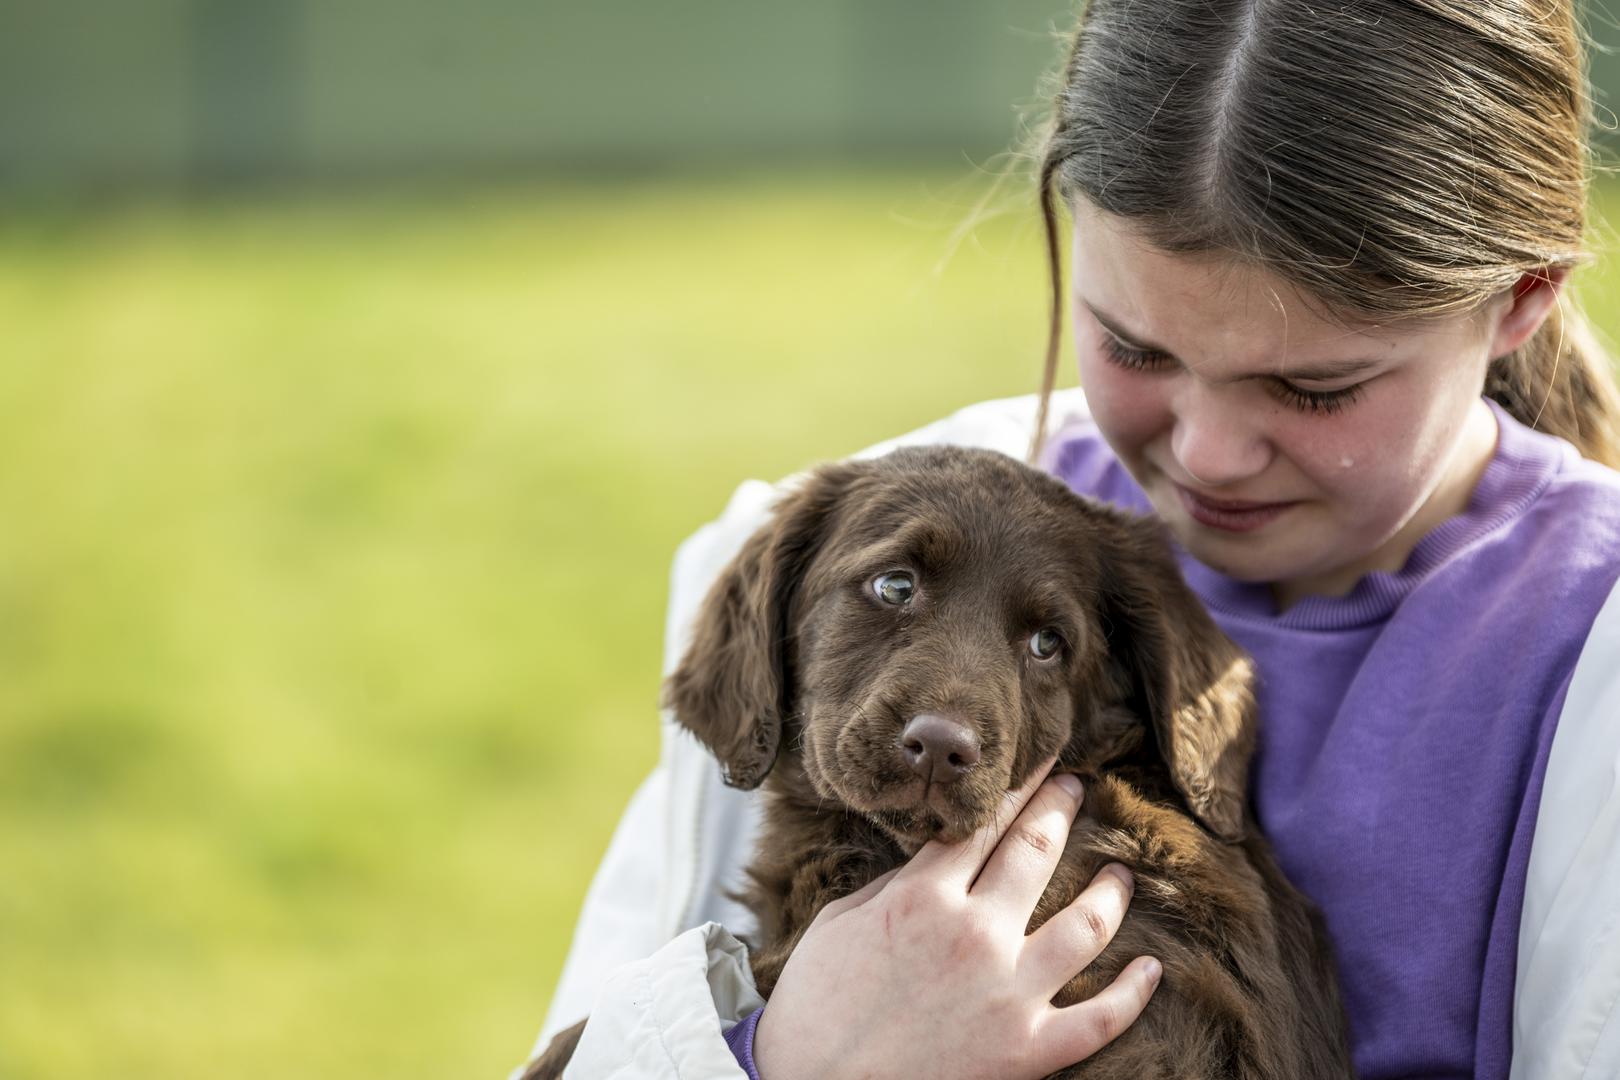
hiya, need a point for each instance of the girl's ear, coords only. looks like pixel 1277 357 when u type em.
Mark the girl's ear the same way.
pixel 1519 311
pixel 733 688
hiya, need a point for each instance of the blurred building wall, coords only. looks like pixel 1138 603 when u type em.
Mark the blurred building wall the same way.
pixel 154 93
pixel 97 93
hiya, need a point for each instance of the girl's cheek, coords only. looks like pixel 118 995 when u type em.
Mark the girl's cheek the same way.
pixel 1129 406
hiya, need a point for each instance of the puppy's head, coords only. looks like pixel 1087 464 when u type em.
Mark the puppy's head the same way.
pixel 917 632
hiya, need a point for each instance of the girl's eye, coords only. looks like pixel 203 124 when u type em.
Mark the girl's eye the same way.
pixel 1128 358
pixel 1045 643
pixel 896 587
pixel 1317 402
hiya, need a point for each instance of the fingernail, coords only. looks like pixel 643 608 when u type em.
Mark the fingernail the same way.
pixel 1152 970
pixel 1122 872
pixel 1069 783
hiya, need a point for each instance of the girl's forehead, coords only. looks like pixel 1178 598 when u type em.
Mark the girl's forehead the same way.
pixel 1114 266
pixel 1203 306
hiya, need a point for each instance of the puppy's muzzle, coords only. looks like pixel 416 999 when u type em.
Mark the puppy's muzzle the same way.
pixel 938 749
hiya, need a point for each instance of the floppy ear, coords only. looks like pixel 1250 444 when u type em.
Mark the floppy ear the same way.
pixel 732 688
pixel 1195 684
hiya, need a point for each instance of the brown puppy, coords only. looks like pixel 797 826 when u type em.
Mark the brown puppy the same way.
pixel 908 638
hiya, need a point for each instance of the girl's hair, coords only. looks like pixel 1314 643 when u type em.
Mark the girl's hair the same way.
pixel 1392 158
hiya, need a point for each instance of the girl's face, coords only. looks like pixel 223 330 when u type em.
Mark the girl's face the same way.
pixel 1278 445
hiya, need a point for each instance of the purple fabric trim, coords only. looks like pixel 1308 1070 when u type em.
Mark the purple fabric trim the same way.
pixel 741 1040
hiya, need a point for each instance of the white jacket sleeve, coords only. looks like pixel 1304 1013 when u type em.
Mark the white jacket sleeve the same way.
pixel 1566 1007
pixel 663 1016
pixel 682 826
pixel 684 837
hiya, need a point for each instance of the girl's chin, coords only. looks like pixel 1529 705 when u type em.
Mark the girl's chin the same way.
pixel 1245 557
pixel 1266 555
pixel 1238 569
pixel 1288 578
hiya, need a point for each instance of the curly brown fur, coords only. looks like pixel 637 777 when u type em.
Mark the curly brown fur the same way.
pixel 803 676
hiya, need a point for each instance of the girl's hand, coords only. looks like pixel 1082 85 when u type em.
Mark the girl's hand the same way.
pixel 927 970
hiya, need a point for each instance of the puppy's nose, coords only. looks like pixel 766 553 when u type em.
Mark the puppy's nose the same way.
pixel 937 749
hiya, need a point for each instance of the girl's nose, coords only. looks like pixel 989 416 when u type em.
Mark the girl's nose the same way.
pixel 1213 443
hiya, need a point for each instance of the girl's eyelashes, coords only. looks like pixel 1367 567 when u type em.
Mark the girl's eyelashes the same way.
pixel 1315 402
pixel 1318 402
pixel 1131 359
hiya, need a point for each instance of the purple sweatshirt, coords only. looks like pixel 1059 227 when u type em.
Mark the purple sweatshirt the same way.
pixel 1404 733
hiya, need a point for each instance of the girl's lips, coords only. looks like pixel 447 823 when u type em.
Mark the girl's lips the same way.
pixel 1229 515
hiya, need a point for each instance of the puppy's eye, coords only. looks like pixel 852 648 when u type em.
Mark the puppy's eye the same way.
pixel 895 588
pixel 1045 643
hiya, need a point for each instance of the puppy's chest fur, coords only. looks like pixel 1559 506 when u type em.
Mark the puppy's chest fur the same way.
pixel 1241 948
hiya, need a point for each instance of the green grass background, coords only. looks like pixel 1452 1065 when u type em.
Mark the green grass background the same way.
pixel 334 538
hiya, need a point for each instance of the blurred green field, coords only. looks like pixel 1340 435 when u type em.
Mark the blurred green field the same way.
pixel 334 556
pixel 333 565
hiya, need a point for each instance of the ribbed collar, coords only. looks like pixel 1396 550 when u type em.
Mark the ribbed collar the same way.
pixel 1519 471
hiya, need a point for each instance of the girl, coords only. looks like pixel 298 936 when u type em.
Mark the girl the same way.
pixel 1318 286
